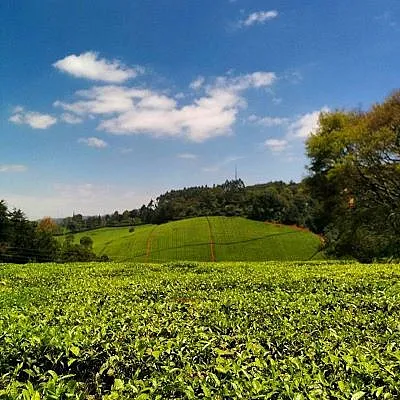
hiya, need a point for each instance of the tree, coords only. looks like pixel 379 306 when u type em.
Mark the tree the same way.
pixel 48 225
pixel 86 242
pixel 355 176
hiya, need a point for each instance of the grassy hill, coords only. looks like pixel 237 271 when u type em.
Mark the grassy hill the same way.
pixel 205 239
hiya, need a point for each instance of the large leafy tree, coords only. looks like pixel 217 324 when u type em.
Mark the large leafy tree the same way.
pixel 355 175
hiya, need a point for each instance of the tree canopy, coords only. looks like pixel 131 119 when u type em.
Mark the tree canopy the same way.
pixel 23 241
pixel 355 176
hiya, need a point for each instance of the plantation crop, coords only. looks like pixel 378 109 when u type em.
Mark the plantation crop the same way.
pixel 205 239
pixel 200 331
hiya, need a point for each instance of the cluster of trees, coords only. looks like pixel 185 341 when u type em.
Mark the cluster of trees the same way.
pixel 287 203
pixel 355 180
pixel 79 223
pixel 23 241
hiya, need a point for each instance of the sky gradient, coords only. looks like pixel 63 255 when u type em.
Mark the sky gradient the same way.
pixel 105 104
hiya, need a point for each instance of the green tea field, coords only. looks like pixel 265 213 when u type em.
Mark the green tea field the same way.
pixel 205 239
pixel 275 330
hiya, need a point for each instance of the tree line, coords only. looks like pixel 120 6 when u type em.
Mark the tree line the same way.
pixel 23 241
pixel 286 203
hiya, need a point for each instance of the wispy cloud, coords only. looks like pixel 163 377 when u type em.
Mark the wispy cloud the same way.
pixel 197 83
pixel 242 82
pixel 259 17
pixel 268 121
pixel 34 119
pixel 90 66
pixel 297 128
pixel 71 119
pixel 12 168
pixel 93 142
pixel 187 156
pixel 276 145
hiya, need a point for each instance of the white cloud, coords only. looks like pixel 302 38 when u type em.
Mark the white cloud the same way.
pixel 12 168
pixel 297 128
pixel 105 100
pixel 34 119
pixel 305 124
pixel 157 102
pixel 259 17
pixel 276 145
pixel 88 65
pixel 197 83
pixel 71 119
pixel 242 82
pixel 129 110
pixel 93 142
pixel 293 76
pixel 268 121
pixel 187 156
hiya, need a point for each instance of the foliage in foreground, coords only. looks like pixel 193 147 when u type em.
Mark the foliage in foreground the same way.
pixel 192 331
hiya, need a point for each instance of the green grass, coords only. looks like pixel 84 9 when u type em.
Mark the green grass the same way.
pixel 206 239
pixel 200 331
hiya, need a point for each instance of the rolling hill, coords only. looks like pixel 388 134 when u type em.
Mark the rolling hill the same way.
pixel 205 239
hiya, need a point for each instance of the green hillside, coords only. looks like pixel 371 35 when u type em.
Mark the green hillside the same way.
pixel 205 239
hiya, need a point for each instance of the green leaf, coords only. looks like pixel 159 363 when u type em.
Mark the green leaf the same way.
pixel 156 354
pixel 75 350
pixel 206 391
pixel 221 369
pixel 342 386
pixel 118 384
pixel 358 395
pixel 379 391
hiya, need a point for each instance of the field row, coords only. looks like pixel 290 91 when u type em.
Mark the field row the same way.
pixel 192 331
pixel 205 239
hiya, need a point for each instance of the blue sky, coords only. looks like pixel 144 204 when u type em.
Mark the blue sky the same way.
pixel 107 104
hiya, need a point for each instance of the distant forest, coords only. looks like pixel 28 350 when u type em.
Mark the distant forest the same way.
pixel 286 203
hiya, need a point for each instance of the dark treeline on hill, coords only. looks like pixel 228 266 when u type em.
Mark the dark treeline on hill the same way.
pixel 286 203
pixel 23 241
